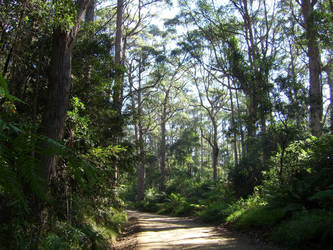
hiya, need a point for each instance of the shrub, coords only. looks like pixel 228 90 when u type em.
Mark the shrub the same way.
pixel 304 180
pixel 257 217
pixel 64 236
pixel 306 230
pixel 214 212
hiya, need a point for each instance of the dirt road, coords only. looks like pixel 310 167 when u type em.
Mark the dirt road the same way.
pixel 164 232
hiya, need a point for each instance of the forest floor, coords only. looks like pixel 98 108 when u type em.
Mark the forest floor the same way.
pixel 151 231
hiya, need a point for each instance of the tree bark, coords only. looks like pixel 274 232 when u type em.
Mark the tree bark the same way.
pixel 233 123
pixel 162 154
pixel 119 75
pixel 140 167
pixel 215 155
pixel 315 95
pixel 201 153
pixel 241 152
pixel 329 72
pixel 215 152
pixel 90 17
pixel 90 14
pixel 53 119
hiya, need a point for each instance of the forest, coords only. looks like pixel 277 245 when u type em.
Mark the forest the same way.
pixel 222 110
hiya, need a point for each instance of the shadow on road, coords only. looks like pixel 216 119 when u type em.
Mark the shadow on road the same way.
pixel 164 232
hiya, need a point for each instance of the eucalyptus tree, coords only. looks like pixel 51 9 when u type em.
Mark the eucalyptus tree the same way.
pixel 184 147
pixel 169 91
pixel 167 101
pixel 140 88
pixel 63 40
pixel 329 71
pixel 313 52
pixel 212 101
pixel 324 21
pixel 241 36
pixel 290 92
pixel 259 31
pixel 131 18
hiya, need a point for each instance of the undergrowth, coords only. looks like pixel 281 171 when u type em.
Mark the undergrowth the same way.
pixel 293 207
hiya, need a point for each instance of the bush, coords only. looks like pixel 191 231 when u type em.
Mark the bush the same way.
pixel 257 217
pixel 177 205
pixel 64 236
pixel 306 230
pixel 304 180
pixel 213 213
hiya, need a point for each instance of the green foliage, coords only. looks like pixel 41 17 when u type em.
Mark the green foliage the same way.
pixel 305 177
pixel 15 153
pixel 259 217
pixel 93 232
pixel 20 170
pixel 4 93
pixel 295 200
pixel 177 205
pixel 84 181
pixel 21 183
pixel 206 200
pixel 184 146
pixel 64 236
pixel 78 122
pixel 111 218
pixel 214 213
pixel 247 173
pixel 64 13
pixel 305 230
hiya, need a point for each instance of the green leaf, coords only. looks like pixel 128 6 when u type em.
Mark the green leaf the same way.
pixel 323 195
pixel 5 92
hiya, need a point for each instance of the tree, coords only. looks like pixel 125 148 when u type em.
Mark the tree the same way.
pixel 315 96
pixel 329 72
pixel 53 119
pixel 212 100
pixel 117 95
pixel 139 93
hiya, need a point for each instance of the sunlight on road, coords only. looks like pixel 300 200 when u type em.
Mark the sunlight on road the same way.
pixel 162 232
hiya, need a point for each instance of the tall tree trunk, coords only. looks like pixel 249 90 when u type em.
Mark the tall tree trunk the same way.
pixel 162 154
pixel 252 95
pixel 119 74
pixel 233 123
pixel 215 152
pixel 141 166
pixel 316 98
pixel 242 152
pixel 90 17
pixel 329 71
pixel 117 96
pixel 201 153
pixel 53 119
pixel 331 97
pixel 90 14
pixel 139 138
pixel 252 115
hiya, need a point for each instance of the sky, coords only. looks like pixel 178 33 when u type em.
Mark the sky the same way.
pixel 161 12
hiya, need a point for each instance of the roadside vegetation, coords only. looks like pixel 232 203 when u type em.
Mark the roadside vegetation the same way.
pixel 217 109
pixel 293 207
